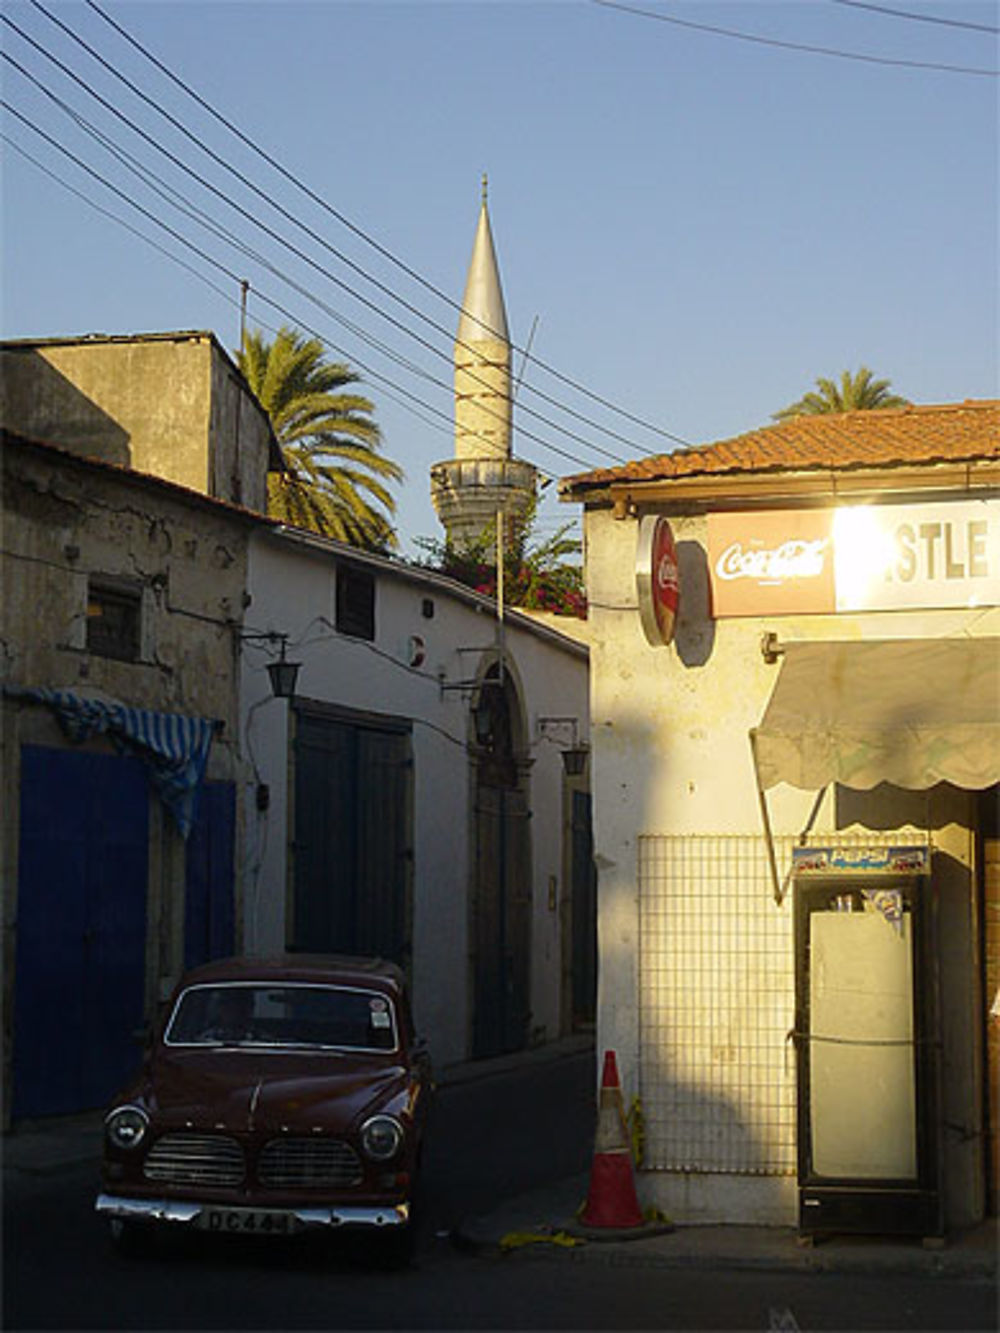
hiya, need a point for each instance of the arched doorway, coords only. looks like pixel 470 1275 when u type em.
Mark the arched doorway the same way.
pixel 502 892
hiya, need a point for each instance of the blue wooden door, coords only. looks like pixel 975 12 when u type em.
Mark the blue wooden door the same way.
pixel 81 928
pixel 208 901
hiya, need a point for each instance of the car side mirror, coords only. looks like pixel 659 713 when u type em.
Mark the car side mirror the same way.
pixel 142 1035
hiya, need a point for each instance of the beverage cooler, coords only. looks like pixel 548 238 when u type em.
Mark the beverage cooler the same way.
pixel 867 1042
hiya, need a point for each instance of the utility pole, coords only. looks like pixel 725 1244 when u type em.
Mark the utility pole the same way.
pixel 500 592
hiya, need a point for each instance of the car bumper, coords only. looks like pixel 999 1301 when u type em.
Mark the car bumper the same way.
pixel 187 1213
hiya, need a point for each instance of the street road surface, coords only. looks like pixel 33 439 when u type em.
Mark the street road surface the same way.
pixel 492 1138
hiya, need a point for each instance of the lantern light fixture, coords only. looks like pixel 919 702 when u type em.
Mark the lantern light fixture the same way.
pixel 283 674
pixel 565 732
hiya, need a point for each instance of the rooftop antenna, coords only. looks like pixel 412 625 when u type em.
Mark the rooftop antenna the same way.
pixel 525 358
pixel 244 292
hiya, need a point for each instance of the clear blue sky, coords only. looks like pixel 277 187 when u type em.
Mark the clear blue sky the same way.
pixel 700 224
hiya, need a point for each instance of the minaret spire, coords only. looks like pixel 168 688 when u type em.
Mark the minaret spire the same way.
pixel 483 477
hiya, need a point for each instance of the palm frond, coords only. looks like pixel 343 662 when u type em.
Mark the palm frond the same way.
pixel 855 393
pixel 329 438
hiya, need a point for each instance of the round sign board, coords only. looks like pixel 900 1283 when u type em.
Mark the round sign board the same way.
pixel 656 579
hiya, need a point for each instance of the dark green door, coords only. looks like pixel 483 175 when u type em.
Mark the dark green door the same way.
pixel 352 851
pixel 584 908
pixel 501 946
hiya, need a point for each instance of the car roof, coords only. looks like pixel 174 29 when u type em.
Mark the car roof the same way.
pixel 321 969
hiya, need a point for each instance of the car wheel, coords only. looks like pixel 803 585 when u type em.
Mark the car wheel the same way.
pixel 131 1239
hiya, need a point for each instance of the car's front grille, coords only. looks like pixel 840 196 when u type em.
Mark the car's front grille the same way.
pixel 195 1159
pixel 303 1163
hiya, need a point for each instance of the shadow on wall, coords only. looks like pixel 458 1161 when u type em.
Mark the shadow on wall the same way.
pixel 690 1128
pixel 39 402
pixel 694 637
pixel 885 808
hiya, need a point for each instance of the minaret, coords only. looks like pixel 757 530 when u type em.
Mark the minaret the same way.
pixel 483 477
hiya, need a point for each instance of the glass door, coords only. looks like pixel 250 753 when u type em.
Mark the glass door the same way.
pixel 863 1104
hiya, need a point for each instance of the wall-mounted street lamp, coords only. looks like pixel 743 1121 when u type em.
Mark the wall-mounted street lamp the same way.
pixel 565 732
pixel 484 711
pixel 282 673
pixel 575 760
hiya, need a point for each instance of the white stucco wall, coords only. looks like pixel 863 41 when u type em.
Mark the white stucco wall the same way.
pixel 292 583
pixel 671 756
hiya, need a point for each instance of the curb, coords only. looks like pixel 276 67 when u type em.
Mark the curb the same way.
pixel 628 1254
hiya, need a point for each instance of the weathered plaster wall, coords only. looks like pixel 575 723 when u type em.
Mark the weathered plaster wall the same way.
pixel 239 435
pixel 63 521
pixel 671 756
pixel 293 590
pixel 169 406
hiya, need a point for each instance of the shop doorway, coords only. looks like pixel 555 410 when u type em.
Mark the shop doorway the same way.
pixel 989 860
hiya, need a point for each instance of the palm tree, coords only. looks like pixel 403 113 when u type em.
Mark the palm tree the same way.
pixel 855 393
pixel 335 485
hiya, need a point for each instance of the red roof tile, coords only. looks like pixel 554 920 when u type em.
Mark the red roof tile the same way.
pixel 947 432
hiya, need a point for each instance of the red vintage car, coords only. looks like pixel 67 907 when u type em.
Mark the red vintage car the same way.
pixel 276 1095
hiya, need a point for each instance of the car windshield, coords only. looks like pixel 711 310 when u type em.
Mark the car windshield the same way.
pixel 282 1016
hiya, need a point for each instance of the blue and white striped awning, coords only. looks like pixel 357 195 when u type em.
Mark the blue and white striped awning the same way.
pixel 173 746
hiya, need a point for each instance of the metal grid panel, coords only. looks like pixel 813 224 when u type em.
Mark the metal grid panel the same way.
pixel 717 1000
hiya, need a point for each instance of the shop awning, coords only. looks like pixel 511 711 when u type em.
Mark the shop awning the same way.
pixel 910 712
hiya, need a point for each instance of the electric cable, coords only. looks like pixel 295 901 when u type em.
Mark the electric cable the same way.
pixel 791 46
pixel 255 221
pixel 539 440
pixel 261 296
pixel 297 222
pixel 358 231
pixel 916 18
pixel 386 386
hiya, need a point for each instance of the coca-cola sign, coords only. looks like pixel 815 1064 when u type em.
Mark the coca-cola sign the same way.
pixel 771 562
pixel 656 578
pixel 873 557
pixel 791 560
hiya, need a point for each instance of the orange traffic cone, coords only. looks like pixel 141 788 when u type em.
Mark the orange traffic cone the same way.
pixel 611 1200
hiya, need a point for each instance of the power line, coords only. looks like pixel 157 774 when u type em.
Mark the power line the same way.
pixel 158 186
pixel 917 18
pixel 106 212
pixel 301 255
pixel 792 46
pixel 359 232
pixel 215 263
pixel 255 221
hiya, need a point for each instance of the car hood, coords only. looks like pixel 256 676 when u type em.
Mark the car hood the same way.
pixel 244 1091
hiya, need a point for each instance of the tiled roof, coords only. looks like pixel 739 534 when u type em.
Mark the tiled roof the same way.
pixel 946 432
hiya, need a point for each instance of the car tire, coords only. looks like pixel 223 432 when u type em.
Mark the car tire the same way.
pixel 133 1240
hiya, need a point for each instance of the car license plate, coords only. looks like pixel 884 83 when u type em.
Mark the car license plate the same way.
pixel 246 1222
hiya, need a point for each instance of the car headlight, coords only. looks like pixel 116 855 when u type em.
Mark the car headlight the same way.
pixel 381 1137
pixel 126 1127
